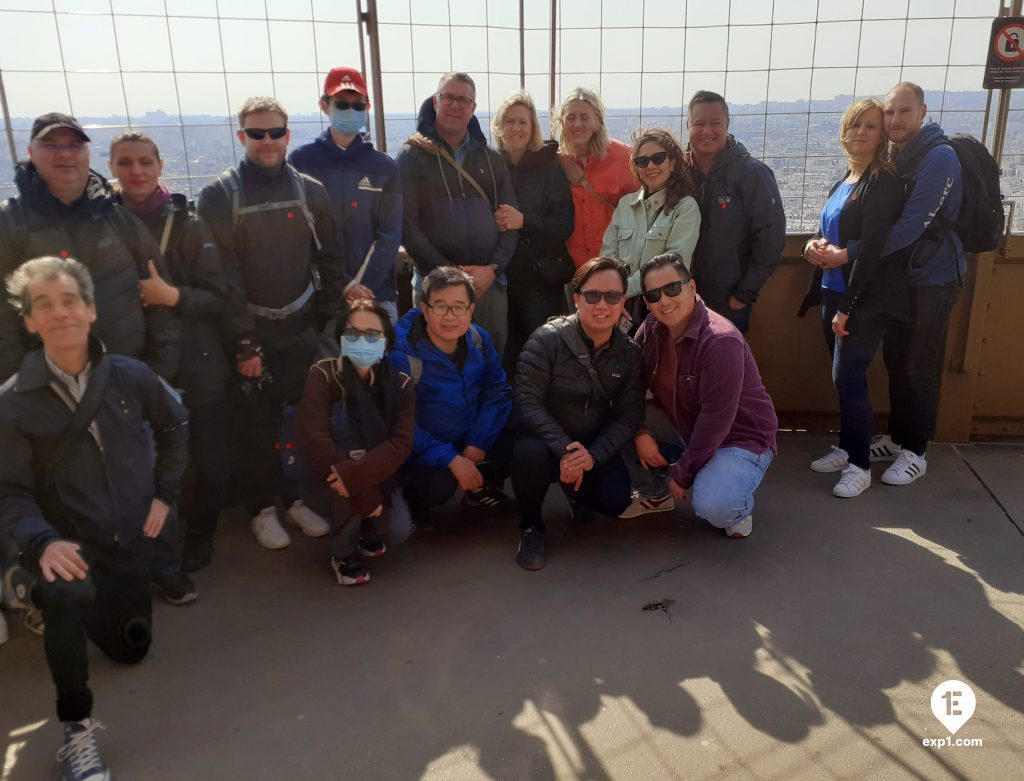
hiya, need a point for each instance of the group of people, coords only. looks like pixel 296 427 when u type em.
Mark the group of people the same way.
pixel 578 317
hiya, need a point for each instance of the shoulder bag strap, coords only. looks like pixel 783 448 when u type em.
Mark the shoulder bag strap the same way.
pixel 574 173
pixel 420 141
pixel 82 418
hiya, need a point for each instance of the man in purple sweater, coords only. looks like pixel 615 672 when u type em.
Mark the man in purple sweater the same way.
pixel 708 401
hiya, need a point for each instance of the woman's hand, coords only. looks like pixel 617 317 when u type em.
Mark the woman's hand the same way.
pixel 834 257
pixel 839 324
pixel 155 291
pixel 337 484
pixel 647 451
pixel 814 251
pixel 508 218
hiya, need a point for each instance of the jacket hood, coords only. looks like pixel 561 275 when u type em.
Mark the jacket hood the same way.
pixel 34 192
pixel 426 123
pixel 734 150
pixel 928 136
pixel 359 143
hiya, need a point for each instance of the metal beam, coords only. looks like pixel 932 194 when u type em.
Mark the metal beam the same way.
pixel 369 22
pixel 8 123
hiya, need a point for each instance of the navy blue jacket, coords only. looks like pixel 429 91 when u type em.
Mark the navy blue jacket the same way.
pixel 103 495
pixel 366 199
pixel 446 222
pixel 453 408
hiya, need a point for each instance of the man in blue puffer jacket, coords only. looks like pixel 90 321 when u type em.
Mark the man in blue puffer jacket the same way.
pixel 366 194
pixel 463 401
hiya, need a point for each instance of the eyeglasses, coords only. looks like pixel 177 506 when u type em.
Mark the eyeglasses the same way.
pixel 672 289
pixel 370 334
pixel 258 133
pixel 441 310
pixel 447 99
pixel 611 297
pixel 644 160
pixel 51 147
pixel 344 105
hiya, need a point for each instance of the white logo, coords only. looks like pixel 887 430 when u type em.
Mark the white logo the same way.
pixel 953 703
pixel 366 184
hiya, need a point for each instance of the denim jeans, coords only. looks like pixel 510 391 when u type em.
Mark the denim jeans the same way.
pixel 915 354
pixel 722 492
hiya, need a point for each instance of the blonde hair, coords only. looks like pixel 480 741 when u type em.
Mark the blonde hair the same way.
pixel 517 98
pixel 598 141
pixel 880 159
pixel 258 105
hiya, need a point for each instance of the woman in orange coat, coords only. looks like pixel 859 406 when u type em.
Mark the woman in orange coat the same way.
pixel 596 166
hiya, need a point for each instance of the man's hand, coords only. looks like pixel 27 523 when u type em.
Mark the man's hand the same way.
pixel 358 291
pixel 155 520
pixel 483 278
pixel 155 291
pixel 508 218
pixel 735 303
pixel 253 367
pixel 577 457
pixel 376 513
pixel 647 451
pixel 839 324
pixel 337 484
pixel 474 454
pixel 62 559
pixel 466 473
pixel 677 491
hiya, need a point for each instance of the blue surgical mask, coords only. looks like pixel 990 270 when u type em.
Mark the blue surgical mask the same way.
pixel 347 122
pixel 362 353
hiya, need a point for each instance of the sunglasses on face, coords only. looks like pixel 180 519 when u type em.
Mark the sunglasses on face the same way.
pixel 672 289
pixel 344 105
pixel 258 133
pixel 611 297
pixel 644 160
pixel 371 334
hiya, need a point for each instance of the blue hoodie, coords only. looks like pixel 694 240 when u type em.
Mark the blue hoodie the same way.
pixel 366 198
pixel 938 257
pixel 453 408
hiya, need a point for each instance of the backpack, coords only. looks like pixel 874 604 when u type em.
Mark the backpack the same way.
pixel 232 183
pixel 416 364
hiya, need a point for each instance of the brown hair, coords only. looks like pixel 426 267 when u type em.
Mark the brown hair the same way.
pixel 679 183
pixel 257 105
pixel 133 136
pixel 596 266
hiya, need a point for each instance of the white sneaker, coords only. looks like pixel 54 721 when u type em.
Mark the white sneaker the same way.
pixel 908 467
pixel 648 505
pixel 312 525
pixel 883 448
pixel 853 482
pixel 740 529
pixel 269 531
pixel 834 461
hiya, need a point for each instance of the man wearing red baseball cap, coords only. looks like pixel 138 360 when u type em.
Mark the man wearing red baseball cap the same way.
pixel 366 194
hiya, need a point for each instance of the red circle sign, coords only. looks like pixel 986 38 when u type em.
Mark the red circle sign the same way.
pixel 1009 43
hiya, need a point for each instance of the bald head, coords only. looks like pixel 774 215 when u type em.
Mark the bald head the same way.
pixel 904 113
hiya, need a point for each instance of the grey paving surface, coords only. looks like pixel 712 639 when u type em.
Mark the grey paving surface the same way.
pixel 809 650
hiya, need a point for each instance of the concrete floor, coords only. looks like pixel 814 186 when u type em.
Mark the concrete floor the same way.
pixel 809 650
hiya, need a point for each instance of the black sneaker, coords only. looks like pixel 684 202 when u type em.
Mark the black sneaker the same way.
pixel 198 556
pixel 177 588
pixel 531 549
pixel 489 497
pixel 581 514
pixel 17 588
pixel 372 549
pixel 80 755
pixel 350 570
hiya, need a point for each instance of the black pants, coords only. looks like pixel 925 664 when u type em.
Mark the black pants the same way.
pixel 112 607
pixel 209 461
pixel 605 489
pixel 528 310
pixel 347 526
pixel 431 486
pixel 915 357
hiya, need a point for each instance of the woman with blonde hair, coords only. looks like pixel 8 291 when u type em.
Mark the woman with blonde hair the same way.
pixel 596 166
pixel 861 290
pixel 541 265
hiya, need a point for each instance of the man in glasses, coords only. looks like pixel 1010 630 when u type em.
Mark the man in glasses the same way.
pixel 462 399
pixel 580 397
pixel 285 274
pixel 365 191
pixel 453 184
pixel 742 225
pixel 709 431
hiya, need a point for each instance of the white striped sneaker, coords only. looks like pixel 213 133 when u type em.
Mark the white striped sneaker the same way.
pixel 883 448
pixel 854 482
pixel 834 461
pixel 907 468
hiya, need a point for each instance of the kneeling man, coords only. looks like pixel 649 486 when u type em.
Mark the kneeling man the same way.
pixel 708 399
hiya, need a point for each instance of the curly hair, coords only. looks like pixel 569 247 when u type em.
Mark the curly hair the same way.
pixel 679 184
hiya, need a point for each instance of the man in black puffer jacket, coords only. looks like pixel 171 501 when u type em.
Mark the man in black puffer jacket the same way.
pixel 65 209
pixel 580 397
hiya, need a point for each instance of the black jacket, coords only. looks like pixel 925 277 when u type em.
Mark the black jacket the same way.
pixel 269 257
pixel 445 221
pixel 557 400
pixel 545 200
pixel 98 496
pixel 874 284
pixel 196 271
pixel 742 227
pixel 112 244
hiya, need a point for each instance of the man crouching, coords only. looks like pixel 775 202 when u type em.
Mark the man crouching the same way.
pixel 81 490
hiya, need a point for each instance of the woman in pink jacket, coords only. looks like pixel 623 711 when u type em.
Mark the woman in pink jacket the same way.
pixel 596 166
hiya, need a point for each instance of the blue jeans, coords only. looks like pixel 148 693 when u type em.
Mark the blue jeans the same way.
pixel 915 357
pixel 722 492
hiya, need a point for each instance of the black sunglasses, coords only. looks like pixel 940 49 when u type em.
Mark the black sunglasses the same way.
pixel 594 296
pixel 344 105
pixel 258 133
pixel 672 289
pixel 644 160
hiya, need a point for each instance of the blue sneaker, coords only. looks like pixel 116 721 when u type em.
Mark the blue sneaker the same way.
pixel 80 755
